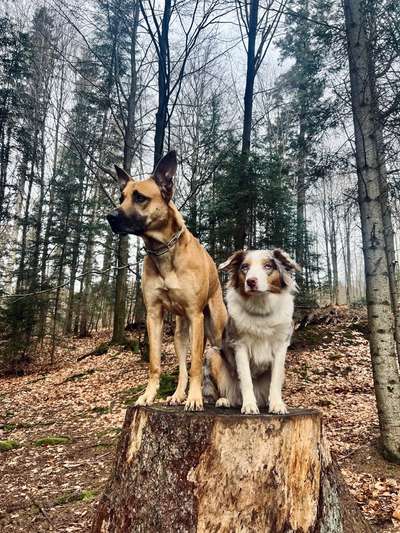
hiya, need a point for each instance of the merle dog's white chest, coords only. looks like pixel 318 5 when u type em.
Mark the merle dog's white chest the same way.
pixel 260 356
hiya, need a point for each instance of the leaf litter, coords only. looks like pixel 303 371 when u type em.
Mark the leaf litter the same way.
pixel 77 408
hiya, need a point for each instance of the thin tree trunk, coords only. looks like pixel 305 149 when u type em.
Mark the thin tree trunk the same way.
pixel 333 243
pixel 87 267
pixel 121 283
pixel 21 277
pixel 326 238
pixel 60 279
pixel 105 280
pixel 348 259
pixel 301 200
pixel 244 215
pixel 75 255
pixel 163 83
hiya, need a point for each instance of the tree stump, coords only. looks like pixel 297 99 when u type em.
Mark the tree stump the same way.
pixel 221 471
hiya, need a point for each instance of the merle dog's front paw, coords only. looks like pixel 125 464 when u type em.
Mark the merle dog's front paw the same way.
pixel 277 407
pixel 222 402
pixel 250 408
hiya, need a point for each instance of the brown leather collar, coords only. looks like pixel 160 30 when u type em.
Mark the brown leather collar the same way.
pixel 165 248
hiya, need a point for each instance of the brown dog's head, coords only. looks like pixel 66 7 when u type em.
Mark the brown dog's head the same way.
pixel 256 272
pixel 144 204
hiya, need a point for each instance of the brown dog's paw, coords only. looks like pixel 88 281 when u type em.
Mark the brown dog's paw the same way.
pixel 194 403
pixel 177 398
pixel 145 399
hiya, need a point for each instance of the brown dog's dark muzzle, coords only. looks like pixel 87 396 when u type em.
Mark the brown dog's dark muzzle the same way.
pixel 116 222
pixel 122 225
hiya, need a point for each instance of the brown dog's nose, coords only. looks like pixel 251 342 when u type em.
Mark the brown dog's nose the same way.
pixel 252 283
pixel 112 217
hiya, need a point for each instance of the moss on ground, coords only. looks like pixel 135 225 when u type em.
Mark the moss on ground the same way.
pixel 132 394
pixel 168 382
pixel 8 445
pixel 52 441
pixel 71 497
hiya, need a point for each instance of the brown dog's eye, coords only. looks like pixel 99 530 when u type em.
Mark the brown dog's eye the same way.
pixel 139 198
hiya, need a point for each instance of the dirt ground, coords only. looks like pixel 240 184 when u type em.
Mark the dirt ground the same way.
pixel 63 425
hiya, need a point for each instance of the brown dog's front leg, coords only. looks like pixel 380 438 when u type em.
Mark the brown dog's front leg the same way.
pixel 194 401
pixel 181 341
pixel 154 329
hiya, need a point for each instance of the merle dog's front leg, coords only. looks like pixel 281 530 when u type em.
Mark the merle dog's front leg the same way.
pixel 275 402
pixel 249 403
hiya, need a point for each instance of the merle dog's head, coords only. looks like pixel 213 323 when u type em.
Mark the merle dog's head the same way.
pixel 256 272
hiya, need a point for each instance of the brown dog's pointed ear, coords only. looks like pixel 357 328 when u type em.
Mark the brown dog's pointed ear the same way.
pixel 164 175
pixel 123 177
pixel 233 261
pixel 286 261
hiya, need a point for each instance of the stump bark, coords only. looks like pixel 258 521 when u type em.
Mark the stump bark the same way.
pixel 220 471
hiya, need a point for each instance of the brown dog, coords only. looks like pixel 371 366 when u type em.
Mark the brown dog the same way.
pixel 178 276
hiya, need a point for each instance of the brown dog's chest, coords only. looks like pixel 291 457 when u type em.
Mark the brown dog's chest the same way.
pixel 171 295
pixel 170 303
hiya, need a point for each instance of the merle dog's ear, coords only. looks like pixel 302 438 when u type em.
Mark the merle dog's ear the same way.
pixel 233 261
pixel 164 175
pixel 123 177
pixel 285 260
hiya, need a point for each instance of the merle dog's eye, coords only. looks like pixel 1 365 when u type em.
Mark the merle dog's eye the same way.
pixel 139 198
pixel 268 266
pixel 244 267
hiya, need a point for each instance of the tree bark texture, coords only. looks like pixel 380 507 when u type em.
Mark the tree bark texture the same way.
pixel 121 283
pixel 220 471
pixel 370 169
pixel 118 335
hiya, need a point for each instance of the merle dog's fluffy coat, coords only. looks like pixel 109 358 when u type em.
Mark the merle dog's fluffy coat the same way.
pixel 249 369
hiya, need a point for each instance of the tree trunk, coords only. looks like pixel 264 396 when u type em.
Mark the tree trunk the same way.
pixel 121 283
pixel 118 336
pixel 326 238
pixel 301 200
pixel 333 243
pixel 370 168
pixel 163 83
pixel 223 471
pixel 87 270
pixel 76 244
pixel 244 215
pixel 105 280
pixel 347 222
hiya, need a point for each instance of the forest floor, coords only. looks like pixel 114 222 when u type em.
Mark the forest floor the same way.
pixel 63 424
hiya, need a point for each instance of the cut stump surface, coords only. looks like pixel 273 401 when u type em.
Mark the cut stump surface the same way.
pixel 221 471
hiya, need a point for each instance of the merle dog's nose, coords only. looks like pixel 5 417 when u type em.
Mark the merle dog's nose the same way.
pixel 251 283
